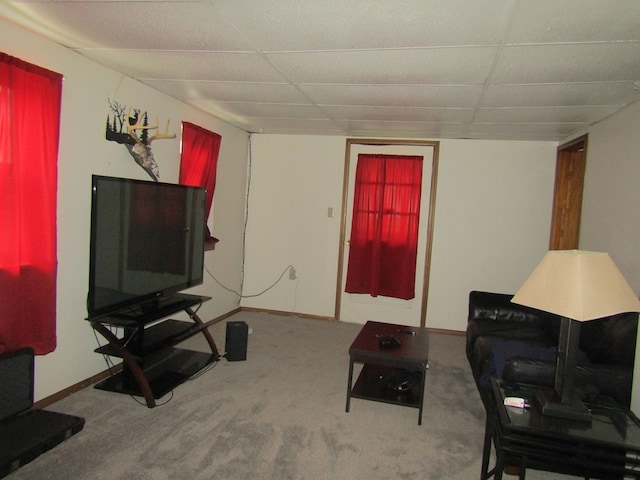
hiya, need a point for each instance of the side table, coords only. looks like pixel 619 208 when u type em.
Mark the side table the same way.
pixel 606 448
pixel 380 364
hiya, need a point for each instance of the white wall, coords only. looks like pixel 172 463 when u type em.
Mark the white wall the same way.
pixel 294 180
pixel 493 214
pixel 492 224
pixel 611 205
pixel 83 152
pixel 610 218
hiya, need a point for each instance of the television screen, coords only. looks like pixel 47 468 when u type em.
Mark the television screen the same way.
pixel 147 242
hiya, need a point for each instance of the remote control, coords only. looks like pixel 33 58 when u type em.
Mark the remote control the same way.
pixel 516 402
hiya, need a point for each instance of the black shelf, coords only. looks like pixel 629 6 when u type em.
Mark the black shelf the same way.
pixel 371 385
pixel 176 368
pixel 157 337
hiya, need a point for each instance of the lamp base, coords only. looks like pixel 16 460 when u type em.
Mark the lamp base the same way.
pixel 550 405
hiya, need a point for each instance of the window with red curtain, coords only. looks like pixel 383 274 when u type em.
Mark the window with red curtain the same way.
pixel 30 99
pixel 199 162
pixel 384 229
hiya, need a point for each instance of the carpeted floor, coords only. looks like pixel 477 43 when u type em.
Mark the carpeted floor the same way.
pixel 278 415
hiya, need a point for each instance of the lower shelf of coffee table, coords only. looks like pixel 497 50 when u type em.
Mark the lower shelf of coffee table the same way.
pixel 371 385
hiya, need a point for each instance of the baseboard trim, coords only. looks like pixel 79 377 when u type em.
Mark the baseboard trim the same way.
pixel 444 331
pixel 288 314
pixel 441 331
pixel 222 317
pixel 45 402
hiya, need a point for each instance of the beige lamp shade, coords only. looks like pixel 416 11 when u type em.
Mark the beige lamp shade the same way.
pixel 579 285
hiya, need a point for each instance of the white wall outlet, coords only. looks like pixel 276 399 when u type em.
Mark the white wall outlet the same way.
pixel 292 273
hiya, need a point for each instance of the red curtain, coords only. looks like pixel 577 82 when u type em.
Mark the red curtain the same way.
pixel 30 99
pixel 200 149
pixel 384 229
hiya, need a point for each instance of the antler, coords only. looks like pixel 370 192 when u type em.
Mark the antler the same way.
pixel 164 134
pixel 131 129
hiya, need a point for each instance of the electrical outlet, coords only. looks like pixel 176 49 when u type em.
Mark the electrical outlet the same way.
pixel 292 273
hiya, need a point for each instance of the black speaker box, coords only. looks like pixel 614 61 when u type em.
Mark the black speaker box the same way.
pixel 236 341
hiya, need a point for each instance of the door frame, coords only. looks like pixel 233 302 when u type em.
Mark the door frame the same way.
pixel 431 214
pixel 571 158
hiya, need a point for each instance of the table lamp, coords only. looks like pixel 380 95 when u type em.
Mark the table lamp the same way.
pixel 579 286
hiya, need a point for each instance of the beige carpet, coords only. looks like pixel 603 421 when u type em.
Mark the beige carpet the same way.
pixel 278 415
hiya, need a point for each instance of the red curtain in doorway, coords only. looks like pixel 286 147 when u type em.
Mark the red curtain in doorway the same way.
pixel 30 99
pixel 384 229
pixel 199 162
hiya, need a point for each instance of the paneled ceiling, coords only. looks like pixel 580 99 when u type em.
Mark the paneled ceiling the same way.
pixel 484 69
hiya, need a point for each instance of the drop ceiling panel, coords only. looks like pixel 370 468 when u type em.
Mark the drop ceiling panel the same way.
pixel 141 25
pixel 568 63
pixel 230 91
pixel 520 128
pixel 190 65
pixel 494 69
pixel 436 66
pixel 554 21
pixel 453 96
pixel 403 129
pixel 305 25
pixel 294 126
pixel 401 114
pixel 275 110
pixel 558 94
pixel 584 115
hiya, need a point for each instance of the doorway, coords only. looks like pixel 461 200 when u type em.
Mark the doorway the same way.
pixel 358 308
pixel 571 162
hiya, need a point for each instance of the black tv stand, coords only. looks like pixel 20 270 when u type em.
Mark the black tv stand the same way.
pixel 152 366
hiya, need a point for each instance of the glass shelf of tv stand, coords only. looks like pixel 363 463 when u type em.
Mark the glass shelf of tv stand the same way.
pixel 162 335
pixel 175 368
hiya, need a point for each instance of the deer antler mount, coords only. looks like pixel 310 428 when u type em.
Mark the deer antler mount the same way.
pixel 132 130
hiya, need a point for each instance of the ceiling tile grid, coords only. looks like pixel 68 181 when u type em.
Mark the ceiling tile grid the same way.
pixel 489 69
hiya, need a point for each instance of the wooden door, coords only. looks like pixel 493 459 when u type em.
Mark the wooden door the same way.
pixel 567 198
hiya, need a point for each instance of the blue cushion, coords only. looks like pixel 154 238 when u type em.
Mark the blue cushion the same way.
pixel 502 350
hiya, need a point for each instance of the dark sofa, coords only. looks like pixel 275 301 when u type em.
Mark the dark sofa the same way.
pixel 519 344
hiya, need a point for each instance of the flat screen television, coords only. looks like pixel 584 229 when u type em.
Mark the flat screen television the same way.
pixel 147 243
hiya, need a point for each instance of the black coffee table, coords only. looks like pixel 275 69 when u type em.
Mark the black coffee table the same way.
pixel 384 368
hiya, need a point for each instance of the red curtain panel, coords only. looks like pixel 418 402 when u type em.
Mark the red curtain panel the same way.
pixel 199 162
pixel 384 229
pixel 30 98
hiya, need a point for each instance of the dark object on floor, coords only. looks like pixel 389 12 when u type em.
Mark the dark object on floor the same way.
pixel 25 434
pixel 236 338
